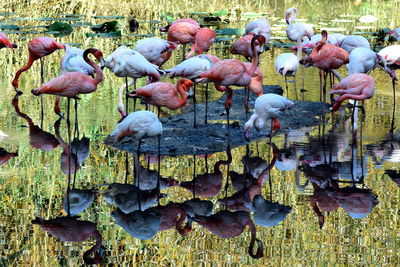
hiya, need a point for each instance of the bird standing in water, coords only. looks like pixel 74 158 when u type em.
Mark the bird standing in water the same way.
pixel 357 86
pixel 268 106
pixel 184 33
pixel 233 72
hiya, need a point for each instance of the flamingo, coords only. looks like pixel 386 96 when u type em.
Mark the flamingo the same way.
pixel 268 106
pixel 169 218
pixel 5 42
pixel 72 84
pixel 358 86
pixel 73 61
pixel 137 125
pixel 308 45
pixel 156 50
pixel 259 27
pixel 77 200
pixel 296 31
pixel 188 20
pixel 183 32
pixel 203 40
pixel 191 68
pixel 71 229
pixel 125 62
pixel 351 42
pixel 328 58
pixel 242 46
pixel 233 72
pixel 227 224
pixel 163 94
pixel 392 56
pixel 38 48
pixel 287 64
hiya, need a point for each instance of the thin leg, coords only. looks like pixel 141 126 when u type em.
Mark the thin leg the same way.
pixel 229 127
pixel 205 119
pixel 287 87
pixel 158 111
pixel 194 177
pixel 41 98
pixel 320 85
pixel 127 167
pixel 126 95
pixel 134 99
pixel 295 88
pixel 206 162
pixel 183 51
pixel 194 105
pixel 76 130
pixel 302 79
pixel 246 103
pixel 158 168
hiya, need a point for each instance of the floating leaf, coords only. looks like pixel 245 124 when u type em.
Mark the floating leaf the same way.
pixel 230 31
pixel 106 27
pixel 199 13
pixel 220 13
pixel 105 34
pixel 108 17
pixel 10 27
pixel 223 39
pixel 253 14
pixel 60 27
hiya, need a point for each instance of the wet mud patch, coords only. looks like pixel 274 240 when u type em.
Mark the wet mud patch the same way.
pixel 180 138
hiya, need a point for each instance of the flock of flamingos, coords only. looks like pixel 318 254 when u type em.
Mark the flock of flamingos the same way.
pixel 81 75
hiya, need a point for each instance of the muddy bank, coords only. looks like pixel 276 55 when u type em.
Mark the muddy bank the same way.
pixel 180 138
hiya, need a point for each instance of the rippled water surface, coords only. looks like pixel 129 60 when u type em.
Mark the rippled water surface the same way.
pixel 329 196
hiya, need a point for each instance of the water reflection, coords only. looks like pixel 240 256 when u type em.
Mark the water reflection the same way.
pixel 74 230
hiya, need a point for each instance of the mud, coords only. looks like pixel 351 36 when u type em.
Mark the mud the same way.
pixel 180 138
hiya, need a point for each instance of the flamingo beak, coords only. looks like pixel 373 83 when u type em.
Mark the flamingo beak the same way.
pixel 102 63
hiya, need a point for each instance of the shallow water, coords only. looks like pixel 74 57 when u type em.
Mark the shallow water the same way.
pixel 34 185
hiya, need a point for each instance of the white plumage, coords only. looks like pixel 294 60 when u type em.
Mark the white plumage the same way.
pixel 268 213
pixel 111 60
pixel 79 200
pixel 266 107
pixel 138 125
pixel 296 31
pixel 287 64
pixel 390 53
pixel 333 38
pixel 73 61
pixel 351 42
pixel 395 33
pixel 362 60
pixel 191 68
pixel 153 48
pixel 259 26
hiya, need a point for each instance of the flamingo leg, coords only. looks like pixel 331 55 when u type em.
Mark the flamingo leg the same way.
pixel 76 118
pixel 320 85
pixel 295 88
pixel 246 103
pixel 302 79
pixel 206 162
pixel 194 105
pixel 126 96
pixel 194 177
pixel 41 99
pixel 394 92
pixel 134 99
pixel 158 168
pixel 206 112
pixel 127 167
pixel 287 87
pixel 183 51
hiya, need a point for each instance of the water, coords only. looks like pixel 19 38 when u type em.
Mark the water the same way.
pixel 34 185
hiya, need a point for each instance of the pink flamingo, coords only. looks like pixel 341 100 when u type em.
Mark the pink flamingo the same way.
pixel 242 46
pixel 38 48
pixel 392 56
pixel 188 20
pixel 71 84
pixel 203 40
pixel 70 229
pixel 5 42
pixel 156 50
pixel 233 72
pixel 358 86
pixel 163 94
pixel 328 58
pixel 182 32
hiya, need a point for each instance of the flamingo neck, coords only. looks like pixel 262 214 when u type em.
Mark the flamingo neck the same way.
pixel 319 46
pixel 28 65
pixel 293 16
pixel 181 89
pixel 253 231
pixel 121 106
pixel 254 60
pixel 223 162
pixel 99 73
pixel 99 242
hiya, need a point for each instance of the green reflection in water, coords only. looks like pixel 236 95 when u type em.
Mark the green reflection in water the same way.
pixel 33 185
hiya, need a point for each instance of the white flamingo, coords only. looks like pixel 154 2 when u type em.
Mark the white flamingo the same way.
pixel 351 42
pixel 268 106
pixel 259 26
pixel 287 64
pixel 73 61
pixel 156 50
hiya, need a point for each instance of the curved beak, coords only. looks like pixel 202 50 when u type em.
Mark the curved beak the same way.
pixel 102 63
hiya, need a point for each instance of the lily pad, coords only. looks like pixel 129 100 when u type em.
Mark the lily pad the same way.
pixel 220 13
pixel 108 17
pixel 199 13
pixel 230 31
pixel 253 14
pixel 10 27
pixel 105 34
pixel 60 27
pixel 147 35
pixel 106 27
pixel 223 39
